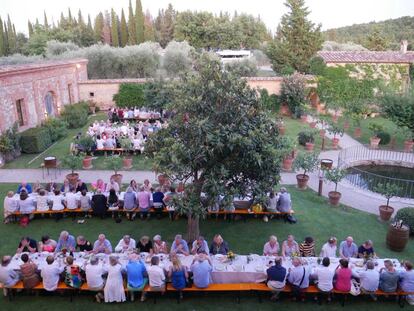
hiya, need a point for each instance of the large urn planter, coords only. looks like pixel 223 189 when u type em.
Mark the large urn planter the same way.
pixel 385 212
pixel 117 177
pixel 282 129
pixel 302 181
pixel 309 146
pixel 408 145
pixel 127 163
pixel 357 132
pixel 287 163
pixel 87 163
pixel 72 178
pixel 334 197
pixel 335 143
pixel 397 238
pixel 374 142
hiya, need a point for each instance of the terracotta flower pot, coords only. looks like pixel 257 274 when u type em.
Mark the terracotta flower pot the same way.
pixel 302 181
pixel 309 146
pixel 304 118
pixel 127 162
pixel 357 132
pixel 335 143
pixel 117 178
pixel 87 163
pixel 397 238
pixel 73 178
pixel 322 133
pixel 326 164
pixel 287 163
pixel 374 142
pixel 335 118
pixel 408 146
pixel 312 124
pixel 284 110
pixel 282 129
pixel 385 212
pixel 346 125
pixel 334 197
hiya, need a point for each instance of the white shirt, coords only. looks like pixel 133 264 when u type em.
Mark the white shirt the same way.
pixel 100 144
pixel 325 278
pixel 94 275
pixel 71 200
pixel 42 203
pixel 156 276
pixel 328 251
pixel 50 275
pixel 122 246
pixel 57 202
pixel 8 276
pixel 11 205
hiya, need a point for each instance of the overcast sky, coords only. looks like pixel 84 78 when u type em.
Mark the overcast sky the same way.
pixel 331 13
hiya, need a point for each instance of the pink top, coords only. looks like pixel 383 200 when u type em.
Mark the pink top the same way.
pixel 100 186
pixel 269 250
pixel 144 199
pixel 343 279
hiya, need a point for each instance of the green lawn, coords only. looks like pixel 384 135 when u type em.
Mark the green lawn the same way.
pixel 315 218
pixel 61 148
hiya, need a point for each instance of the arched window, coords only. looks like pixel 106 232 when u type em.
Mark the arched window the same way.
pixel 49 104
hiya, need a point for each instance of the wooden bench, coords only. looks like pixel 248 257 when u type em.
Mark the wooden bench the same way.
pixel 113 150
pixel 62 287
pixel 244 213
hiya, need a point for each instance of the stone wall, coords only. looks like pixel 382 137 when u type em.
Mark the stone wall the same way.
pixel 31 83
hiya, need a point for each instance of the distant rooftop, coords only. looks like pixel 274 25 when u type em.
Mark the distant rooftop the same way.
pixel 366 57
pixel 40 65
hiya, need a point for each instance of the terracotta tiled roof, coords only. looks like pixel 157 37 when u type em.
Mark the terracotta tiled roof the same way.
pixel 366 57
pixel 41 65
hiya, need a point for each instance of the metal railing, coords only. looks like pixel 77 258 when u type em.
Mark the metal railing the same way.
pixel 359 155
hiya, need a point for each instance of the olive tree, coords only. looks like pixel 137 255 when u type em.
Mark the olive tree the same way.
pixel 178 57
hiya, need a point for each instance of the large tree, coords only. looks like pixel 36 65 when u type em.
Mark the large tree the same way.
pixel 114 28
pixel 375 41
pixel 124 30
pixel 139 21
pixel 2 45
pixel 219 142
pixel 298 39
pixel 132 30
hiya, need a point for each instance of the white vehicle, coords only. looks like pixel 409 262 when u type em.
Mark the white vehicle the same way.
pixel 228 56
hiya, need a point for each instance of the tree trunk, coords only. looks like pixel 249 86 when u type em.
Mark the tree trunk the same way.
pixel 193 228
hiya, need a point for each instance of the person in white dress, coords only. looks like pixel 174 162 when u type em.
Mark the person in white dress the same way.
pixel 71 200
pixel 114 287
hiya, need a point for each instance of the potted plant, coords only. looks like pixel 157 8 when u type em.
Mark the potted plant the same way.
pixel 286 145
pixel 126 144
pixel 335 130
pixel 73 162
pixel 335 175
pixel 307 162
pixel 375 128
pixel 407 134
pixel 281 126
pixel 306 138
pixel 86 145
pixel 388 190
pixel 114 162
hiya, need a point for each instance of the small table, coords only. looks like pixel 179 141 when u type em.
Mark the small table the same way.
pixel 50 163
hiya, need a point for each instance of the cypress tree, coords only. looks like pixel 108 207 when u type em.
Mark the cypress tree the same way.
pixel 98 28
pixel 106 30
pixel 89 23
pixel 46 24
pixel 70 18
pixel 6 39
pixel 114 28
pixel 2 50
pixel 124 30
pixel 30 27
pixel 149 33
pixel 11 36
pixel 80 18
pixel 132 31
pixel 139 20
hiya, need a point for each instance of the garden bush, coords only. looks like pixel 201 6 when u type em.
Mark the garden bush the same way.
pixel 75 115
pixel 293 93
pixel 130 95
pixel 385 138
pixel 406 214
pixel 56 127
pixel 35 140
pixel 305 137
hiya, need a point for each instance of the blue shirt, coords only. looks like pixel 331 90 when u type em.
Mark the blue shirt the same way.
pixel 157 197
pixel 99 247
pixel 178 279
pixel 348 251
pixel 201 274
pixel 69 244
pixel 407 281
pixel 28 188
pixel 183 249
pixel 135 273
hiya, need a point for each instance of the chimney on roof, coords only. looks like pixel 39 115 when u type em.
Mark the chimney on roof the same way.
pixel 403 47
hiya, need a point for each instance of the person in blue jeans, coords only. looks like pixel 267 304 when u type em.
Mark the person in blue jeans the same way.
pixel 178 275
pixel 137 276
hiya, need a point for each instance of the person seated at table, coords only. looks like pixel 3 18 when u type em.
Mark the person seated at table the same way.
pixel 343 276
pixel 110 142
pixel 159 246
pixel 133 185
pixel 158 201
pixel 24 186
pixel 71 200
pixel 126 244
pixel 99 204
pixel 94 272
pixel 369 279
pixel 130 203
pixel 99 142
pixel 219 246
pixel 168 201
pixel 143 199
pixel 83 245
pixel 80 185
pixel 42 201
pixel 47 244
pixel 179 246
pixel 307 248
pixel 407 281
pixel 144 245
pixel 113 203
pixel 112 185
pixel 99 184
pixel 58 203
pixel 10 206
pixel 329 248
pixel 8 277
pixel 102 245
pixel 276 278
pixel 29 272
pixel 72 273
pixel 37 186
pixel 51 274
pixel 66 187
pixel 201 269
pixel 284 204
pixel 114 287
pixel 271 248
pixel 290 247
pixel 271 204
pixel 27 244
pixel 137 276
pixel 200 246
pixel 323 277
pixel 348 249
pixel 50 187
pixel 178 275
pixel 389 277
pixel 26 203
pixel 85 202
pixel 66 242
pixel 366 250
pixel 147 185
pixel 156 276
pixel 298 277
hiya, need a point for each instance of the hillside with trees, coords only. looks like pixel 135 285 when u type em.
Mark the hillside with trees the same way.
pixel 375 35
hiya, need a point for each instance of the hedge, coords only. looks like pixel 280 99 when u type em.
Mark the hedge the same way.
pixel 75 115
pixel 56 127
pixel 130 95
pixel 406 214
pixel 35 140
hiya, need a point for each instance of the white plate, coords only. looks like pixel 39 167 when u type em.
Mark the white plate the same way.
pixel 219 267
pixel 259 268
pixel 219 256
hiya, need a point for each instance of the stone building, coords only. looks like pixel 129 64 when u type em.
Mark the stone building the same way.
pixel 30 93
